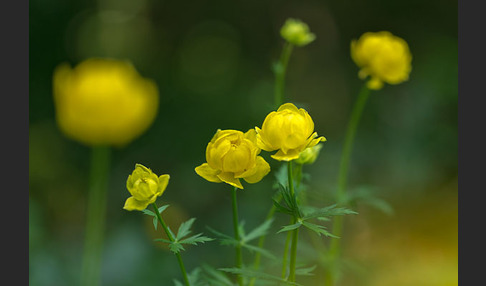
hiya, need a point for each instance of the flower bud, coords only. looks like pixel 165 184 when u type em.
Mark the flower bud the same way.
pixel 309 155
pixel 103 102
pixel 383 57
pixel 296 32
pixel 288 130
pixel 232 155
pixel 145 187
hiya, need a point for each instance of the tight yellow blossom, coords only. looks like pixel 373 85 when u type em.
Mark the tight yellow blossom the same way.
pixel 145 187
pixel 296 32
pixel 309 155
pixel 288 130
pixel 103 101
pixel 233 155
pixel 383 57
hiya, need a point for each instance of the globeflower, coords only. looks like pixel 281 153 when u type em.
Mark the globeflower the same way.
pixel 232 155
pixel 288 130
pixel 145 187
pixel 309 155
pixel 296 32
pixel 383 57
pixel 103 101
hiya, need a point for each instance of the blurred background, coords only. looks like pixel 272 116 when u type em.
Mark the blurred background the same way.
pixel 212 63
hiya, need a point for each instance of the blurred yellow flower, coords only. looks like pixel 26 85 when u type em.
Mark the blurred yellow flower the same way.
pixel 233 155
pixel 382 56
pixel 103 101
pixel 288 130
pixel 309 155
pixel 296 32
pixel 145 187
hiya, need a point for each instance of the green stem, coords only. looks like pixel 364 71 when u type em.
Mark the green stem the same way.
pixel 334 248
pixel 238 258
pixel 280 71
pixel 261 242
pixel 171 238
pixel 295 232
pixel 286 252
pixel 95 221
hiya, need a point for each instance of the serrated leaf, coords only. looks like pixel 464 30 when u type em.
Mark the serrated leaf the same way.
pixel 195 239
pixel 185 228
pixel 176 247
pixel 163 240
pixel 331 210
pixel 155 222
pixel 319 229
pixel 260 250
pixel 162 208
pixel 148 212
pixel 216 278
pixel 260 230
pixel 305 271
pixel 256 274
pixel 290 227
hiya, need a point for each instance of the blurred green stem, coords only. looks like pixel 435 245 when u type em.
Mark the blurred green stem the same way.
pixel 280 70
pixel 334 248
pixel 95 221
pixel 295 232
pixel 239 259
pixel 171 238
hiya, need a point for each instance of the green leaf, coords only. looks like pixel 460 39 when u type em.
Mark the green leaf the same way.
pixel 148 212
pixel 155 222
pixel 256 274
pixel 319 229
pixel 162 208
pixel 259 231
pixel 163 240
pixel 305 271
pixel 327 212
pixel 185 229
pixel 260 250
pixel 176 247
pixel 215 277
pixel 290 227
pixel 195 239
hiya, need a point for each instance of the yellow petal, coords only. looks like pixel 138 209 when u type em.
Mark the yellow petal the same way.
pixel 289 156
pixel 229 178
pixel 289 106
pixel 132 204
pixel 163 182
pixel 208 173
pixel 262 168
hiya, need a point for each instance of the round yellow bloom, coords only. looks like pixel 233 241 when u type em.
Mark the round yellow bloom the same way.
pixel 288 130
pixel 103 101
pixel 296 32
pixel 233 155
pixel 309 155
pixel 145 187
pixel 382 56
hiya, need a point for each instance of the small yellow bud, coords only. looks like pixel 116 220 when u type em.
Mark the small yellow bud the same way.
pixel 145 187
pixel 288 130
pixel 383 57
pixel 296 32
pixel 309 155
pixel 103 101
pixel 233 155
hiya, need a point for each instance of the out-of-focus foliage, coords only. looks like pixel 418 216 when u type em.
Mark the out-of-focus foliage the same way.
pixel 212 63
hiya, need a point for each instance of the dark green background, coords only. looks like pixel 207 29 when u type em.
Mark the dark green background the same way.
pixel 212 63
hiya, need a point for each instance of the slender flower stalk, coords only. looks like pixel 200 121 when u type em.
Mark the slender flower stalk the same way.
pixel 280 71
pixel 295 232
pixel 95 222
pixel 334 247
pixel 238 257
pixel 171 238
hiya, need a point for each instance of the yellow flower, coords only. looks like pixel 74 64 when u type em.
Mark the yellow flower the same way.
pixel 382 56
pixel 296 32
pixel 145 187
pixel 103 101
pixel 309 155
pixel 288 130
pixel 233 155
